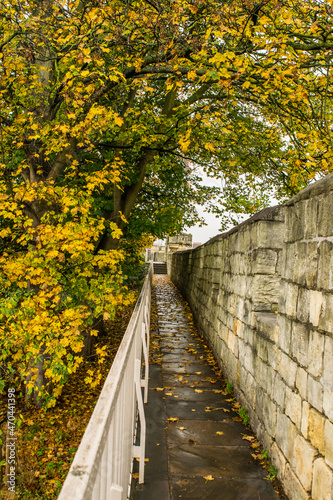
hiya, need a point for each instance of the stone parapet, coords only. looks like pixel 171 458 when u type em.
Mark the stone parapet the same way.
pixel 262 294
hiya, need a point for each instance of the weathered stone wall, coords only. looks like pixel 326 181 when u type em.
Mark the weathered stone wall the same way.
pixel 262 294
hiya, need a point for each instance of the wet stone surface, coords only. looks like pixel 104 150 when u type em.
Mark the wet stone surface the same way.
pixel 195 441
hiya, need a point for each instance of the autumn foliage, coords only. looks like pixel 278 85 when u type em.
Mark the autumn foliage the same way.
pixel 106 107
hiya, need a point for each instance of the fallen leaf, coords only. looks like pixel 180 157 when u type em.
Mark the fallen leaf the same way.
pixel 219 433
pixel 209 478
pixel 237 419
pixel 168 393
pixel 173 419
pixel 198 390
pixel 159 389
pixel 181 428
pixel 248 438
pixel 198 373
pixel 191 441
pixel 135 475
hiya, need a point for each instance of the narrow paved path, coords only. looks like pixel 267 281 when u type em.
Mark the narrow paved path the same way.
pixel 195 439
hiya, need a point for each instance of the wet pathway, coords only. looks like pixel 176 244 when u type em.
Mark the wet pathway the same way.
pixel 197 446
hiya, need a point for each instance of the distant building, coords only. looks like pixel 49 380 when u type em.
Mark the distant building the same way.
pixel 179 242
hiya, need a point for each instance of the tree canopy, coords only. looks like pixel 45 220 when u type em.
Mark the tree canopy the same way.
pixel 107 107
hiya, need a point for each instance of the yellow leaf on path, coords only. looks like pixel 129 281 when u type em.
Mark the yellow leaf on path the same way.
pixel 173 419
pixel 219 433
pixel 198 390
pixel 181 428
pixel 248 438
pixel 209 478
pixel 135 475
pixel 159 389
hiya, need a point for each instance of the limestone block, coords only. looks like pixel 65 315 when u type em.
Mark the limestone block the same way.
pixel 248 385
pixel 300 343
pixel 325 221
pixel 302 382
pixel 266 411
pixel 245 264
pixel 304 456
pixel 279 391
pixel 328 363
pixel 284 329
pixel 285 436
pixel 278 460
pixel 239 283
pixel 288 260
pixel 306 266
pixel 316 430
pixel 322 480
pixel 232 343
pixel 247 238
pixel 270 234
pixel 247 311
pixel 303 305
pixel 287 369
pixel 291 296
pixel 311 214
pixel 328 403
pixel 264 261
pixel 326 316
pixel 294 407
pixel 264 376
pixel 315 304
pixel 248 335
pixel 325 265
pixel 293 487
pixel 329 443
pixel 305 419
pixel 267 325
pixel 265 292
pixel 240 308
pixel 316 353
pixel 315 393
pixel 296 221
pixel 214 276
pixel 261 347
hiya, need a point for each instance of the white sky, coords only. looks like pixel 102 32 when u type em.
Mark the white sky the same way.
pixel 204 233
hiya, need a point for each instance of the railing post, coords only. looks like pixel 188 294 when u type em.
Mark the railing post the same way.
pixel 139 451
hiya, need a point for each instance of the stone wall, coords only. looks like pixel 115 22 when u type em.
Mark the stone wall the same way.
pixel 262 294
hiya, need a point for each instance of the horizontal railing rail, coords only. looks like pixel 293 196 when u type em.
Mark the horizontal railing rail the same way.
pixel 102 466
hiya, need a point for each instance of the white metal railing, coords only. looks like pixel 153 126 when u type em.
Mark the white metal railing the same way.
pixel 102 466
